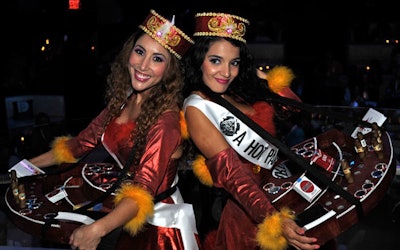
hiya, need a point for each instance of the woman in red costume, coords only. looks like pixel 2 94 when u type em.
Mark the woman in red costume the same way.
pixel 144 103
pixel 220 62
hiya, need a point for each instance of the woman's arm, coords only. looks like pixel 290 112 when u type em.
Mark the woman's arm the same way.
pixel 204 134
pixel 44 160
pixel 68 149
pixel 89 236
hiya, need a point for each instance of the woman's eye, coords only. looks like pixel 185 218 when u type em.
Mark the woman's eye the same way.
pixel 158 59
pixel 235 63
pixel 139 51
pixel 215 61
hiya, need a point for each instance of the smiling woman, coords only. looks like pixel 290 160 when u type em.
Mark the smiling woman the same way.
pixel 232 156
pixel 140 128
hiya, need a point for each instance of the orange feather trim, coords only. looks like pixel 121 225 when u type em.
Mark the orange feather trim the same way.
pixel 184 130
pixel 279 77
pixel 269 235
pixel 200 169
pixel 145 206
pixel 61 151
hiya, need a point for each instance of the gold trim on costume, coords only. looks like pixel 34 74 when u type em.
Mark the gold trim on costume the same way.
pixel 166 33
pixel 221 24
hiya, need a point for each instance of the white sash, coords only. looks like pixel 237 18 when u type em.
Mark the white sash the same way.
pixel 179 215
pixel 240 137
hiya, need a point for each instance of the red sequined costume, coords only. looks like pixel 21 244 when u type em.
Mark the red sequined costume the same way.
pixel 247 207
pixel 155 174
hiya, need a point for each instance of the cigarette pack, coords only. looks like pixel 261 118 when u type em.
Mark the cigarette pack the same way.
pixel 306 188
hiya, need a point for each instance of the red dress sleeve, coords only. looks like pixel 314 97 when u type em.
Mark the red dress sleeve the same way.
pixel 89 137
pixel 236 176
pixel 157 170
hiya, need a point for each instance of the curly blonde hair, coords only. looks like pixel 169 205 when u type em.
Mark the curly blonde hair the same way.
pixel 165 95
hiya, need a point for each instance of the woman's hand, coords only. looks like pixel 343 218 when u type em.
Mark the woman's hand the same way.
pixel 86 237
pixel 261 74
pixel 295 236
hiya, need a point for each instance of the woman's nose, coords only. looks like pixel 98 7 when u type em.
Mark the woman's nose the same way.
pixel 145 63
pixel 226 71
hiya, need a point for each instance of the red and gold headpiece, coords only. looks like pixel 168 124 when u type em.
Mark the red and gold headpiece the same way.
pixel 166 33
pixel 220 24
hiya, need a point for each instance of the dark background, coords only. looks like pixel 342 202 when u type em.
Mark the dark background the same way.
pixel 310 31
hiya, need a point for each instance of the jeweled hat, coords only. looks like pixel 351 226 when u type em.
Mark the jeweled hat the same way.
pixel 166 33
pixel 220 24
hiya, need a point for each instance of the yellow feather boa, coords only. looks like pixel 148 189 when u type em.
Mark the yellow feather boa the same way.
pixel 200 169
pixel 279 77
pixel 269 235
pixel 145 205
pixel 61 152
pixel 184 131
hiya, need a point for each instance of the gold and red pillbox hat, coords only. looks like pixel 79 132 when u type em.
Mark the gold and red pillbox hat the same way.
pixel 221 24
pixel 166 33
